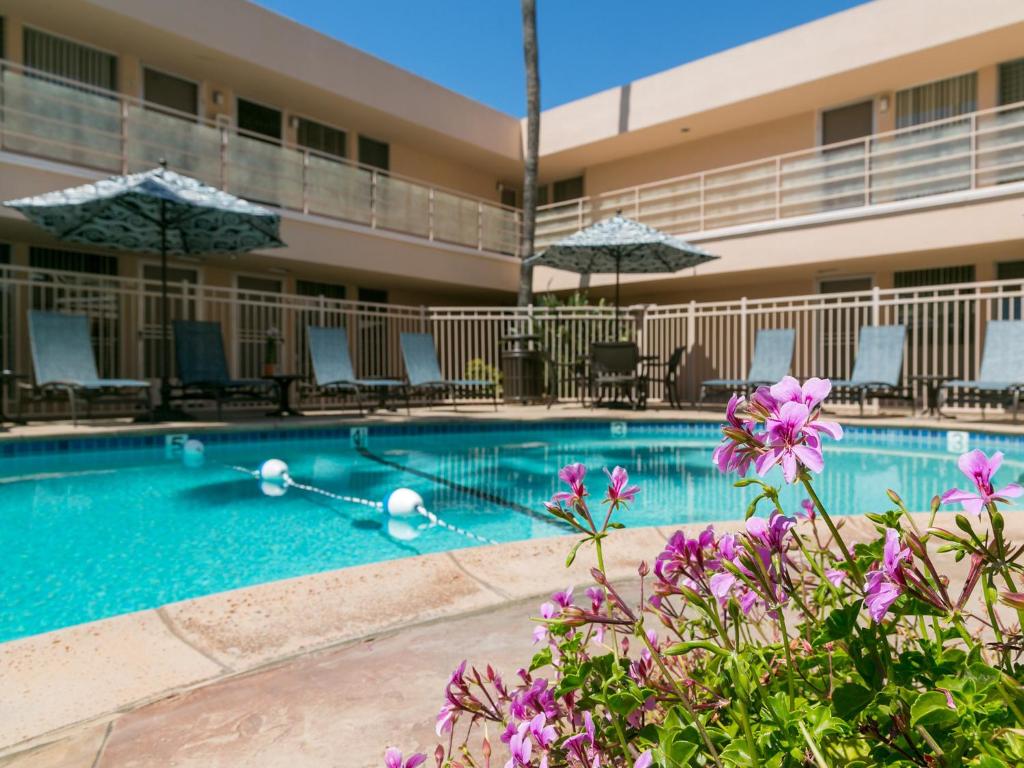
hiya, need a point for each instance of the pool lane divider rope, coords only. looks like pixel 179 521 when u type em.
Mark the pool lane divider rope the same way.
pixel 464 489
pixel 433 519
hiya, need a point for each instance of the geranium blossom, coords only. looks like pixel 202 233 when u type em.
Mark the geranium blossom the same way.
pixel 979 469
pixel 886 583
pixel 393 759
pixel 572 475
pixel 619 490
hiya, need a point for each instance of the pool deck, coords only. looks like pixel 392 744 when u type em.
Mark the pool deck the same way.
pixel 320 670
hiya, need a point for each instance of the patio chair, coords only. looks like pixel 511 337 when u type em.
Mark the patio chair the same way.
pixel 63 361
pixel 333 371
pixel 1001 376
pixel 773 356
pixel 203 368
pixel 670 378
pixel 878 369
pixel 423 370
pixel 616 367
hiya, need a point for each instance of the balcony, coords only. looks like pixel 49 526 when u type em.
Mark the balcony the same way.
pixel 970 152
pixel 47 117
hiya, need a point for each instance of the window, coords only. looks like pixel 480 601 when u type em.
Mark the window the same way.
pixel 182 308
pixel 845 285
pixel 2 38
pixel 373 336
pixel 567 189
pixel 256 118
pixel 845 123
pixel 170 91
pixel 1010 270
pixel 321 137
pixel 326 290
pixel 374 153
pixel 1011 82
pixel 74 61
pixel 5 253
pixel 935 101
pixel 508 197
pixel 542 194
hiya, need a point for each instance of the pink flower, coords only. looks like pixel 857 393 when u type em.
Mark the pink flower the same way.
pixel 979 469
pixel 393 758
pixel 572 475
pixel 885 584
pixel 771 533
pixel 811 394
pixel 644 761
pixel 789 444
pixel 619 492
pixel 520 747
pixel 835 576
pixel 808 510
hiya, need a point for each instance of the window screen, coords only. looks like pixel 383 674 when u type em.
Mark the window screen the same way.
pixel 567 189
pixel 917 278
pixel 5 253
pixel 845 123
pixel 374 153
pixel 321 137
pixel 69 59
pixel 845 285
pixel 314 288
pixel 1010 270
pixel 170 91
pixel 938 100
pixel 257 118
pixel 72 261
pixel 1011 82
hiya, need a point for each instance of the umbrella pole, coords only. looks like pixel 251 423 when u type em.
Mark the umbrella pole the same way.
pixel 165 412
pixel 618 265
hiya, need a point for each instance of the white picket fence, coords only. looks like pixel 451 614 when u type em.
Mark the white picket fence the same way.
pixel 945 327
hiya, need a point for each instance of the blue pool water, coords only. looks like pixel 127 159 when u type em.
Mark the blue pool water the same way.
pixel 86 534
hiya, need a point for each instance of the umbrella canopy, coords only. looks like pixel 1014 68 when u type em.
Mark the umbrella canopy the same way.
pixel 618 245
pixel 157 211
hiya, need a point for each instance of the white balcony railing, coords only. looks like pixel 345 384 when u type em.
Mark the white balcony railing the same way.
pixel 49 117
pixel 973 151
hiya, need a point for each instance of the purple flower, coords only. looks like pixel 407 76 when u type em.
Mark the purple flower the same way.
pixel 619 492
pixel 563 598
pixel 835 576
pixel 739 446
pixel 886 583
pixel 771 533
pixel 811 394
pixel 393 758
pixel 596 595
pixel 541 732
pixel 979 468
pixel 520 747
pixel 644 761
pixel 809 511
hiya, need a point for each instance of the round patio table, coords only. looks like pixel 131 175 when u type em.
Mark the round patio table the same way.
pixel 6 377
pixel 284 390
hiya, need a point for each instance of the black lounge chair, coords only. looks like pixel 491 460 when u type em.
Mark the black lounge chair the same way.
pixel 333 372
pixel 616 367
pixel 773 356
pixel 64 363
pixel 1001 376
pixel 203 368
pixel 878 369
pixel 424 371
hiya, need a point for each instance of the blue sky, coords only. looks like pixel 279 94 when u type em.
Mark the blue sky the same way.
pixel 475 46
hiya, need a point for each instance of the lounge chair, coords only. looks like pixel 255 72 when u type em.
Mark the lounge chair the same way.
pixel 616 366
pixel 203 367
pixel 333 371
pixel 424 371
pixel 773 356
pixel 1001 376
pixel 63 361
pixel 878 369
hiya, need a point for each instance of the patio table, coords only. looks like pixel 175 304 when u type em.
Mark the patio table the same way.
pixel 932 384
pixel 6 378
pixel 284 389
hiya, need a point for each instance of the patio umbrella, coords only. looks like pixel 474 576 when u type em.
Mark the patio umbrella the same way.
pixel 618 245
pixel 157 211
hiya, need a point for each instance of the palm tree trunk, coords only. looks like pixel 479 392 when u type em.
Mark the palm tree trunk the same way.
pixel 532 145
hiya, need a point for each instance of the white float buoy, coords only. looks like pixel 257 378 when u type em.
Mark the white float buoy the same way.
pixel 274 477
pixel 193 453
pixel 403 502
pixel 402 530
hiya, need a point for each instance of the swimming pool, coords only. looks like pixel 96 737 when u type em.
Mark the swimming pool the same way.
pixel 93 528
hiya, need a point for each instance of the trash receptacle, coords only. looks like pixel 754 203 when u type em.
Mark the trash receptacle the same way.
pixel 522 369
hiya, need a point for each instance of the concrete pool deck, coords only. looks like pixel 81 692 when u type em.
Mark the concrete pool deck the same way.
pixel 320 670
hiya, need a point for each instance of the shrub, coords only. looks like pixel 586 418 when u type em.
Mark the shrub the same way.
pixel 776 646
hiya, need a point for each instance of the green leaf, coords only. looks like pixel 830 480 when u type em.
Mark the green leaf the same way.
pixel 930 709
pixel 839 624
pixel 541 659
pixel 573 551
pixel 988 761
pixel 737 753
pixel 623 703
pixel 851 698
pixel 752 507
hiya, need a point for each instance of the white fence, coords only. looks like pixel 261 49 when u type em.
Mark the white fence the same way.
pixel 945 327
pixel 971 151
pixel 46 116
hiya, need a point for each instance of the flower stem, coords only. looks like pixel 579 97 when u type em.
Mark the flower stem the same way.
pixel 857 576
pixel 819 758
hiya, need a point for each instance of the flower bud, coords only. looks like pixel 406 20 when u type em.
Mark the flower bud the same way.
pixel 598 577
pixel 964 524
pixel 643 569
pixel 894 497
pixel 997 522
pixel 1013 599
pixel 914 544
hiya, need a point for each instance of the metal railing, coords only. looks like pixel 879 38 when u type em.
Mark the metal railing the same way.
pixel 971 151
pixel 945 328
pixel 45 116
